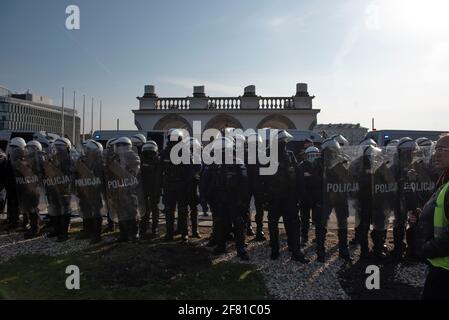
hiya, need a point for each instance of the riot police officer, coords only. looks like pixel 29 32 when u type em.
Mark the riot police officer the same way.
pixel 337 185
pixel 174 184
pixel 25 165
pixel 309 190
pixel 282 192
pixel 227 193
pixel 138 140
pixel 89 186
pixel 57 171
pixel 108 155
pixel 256 184
pixel 193 179
pixel 122 182
pixel 362 169
pixel 407 200
pixel 151 185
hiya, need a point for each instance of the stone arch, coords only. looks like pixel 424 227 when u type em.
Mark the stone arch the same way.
pixel 172 121
pixel 312 125
pixel 276 121
pixel 222 121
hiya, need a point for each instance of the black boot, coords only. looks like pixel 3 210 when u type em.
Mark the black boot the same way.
pixel 123 229
pixel 320 235
pixel 85 232
pixel 25 221
pixel 110 226
pixel 133 230
pixel 143 226
pixel 343 251
pixel 64 224
pixel 378 244
pixel 194 222
pixel 95 230
pixel 274 254
pixel 33 231
pixel 53 226
pixel 399 245
pixel 243 255
pixel 299 256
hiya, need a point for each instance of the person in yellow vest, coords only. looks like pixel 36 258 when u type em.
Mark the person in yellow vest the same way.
pixel 433 228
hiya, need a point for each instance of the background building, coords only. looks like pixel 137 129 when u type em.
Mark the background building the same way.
pixel 247 111
pixel 30 112
pixel 353 132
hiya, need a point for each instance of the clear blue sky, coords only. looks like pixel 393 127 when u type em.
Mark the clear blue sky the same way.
pixel 387 59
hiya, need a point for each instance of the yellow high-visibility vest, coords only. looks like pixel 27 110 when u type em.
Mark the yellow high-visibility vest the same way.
pixel 440 223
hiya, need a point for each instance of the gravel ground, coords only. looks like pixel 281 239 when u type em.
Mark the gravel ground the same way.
pixel 13 245
pixel 284 279
pixel 413 275
pixel 333 280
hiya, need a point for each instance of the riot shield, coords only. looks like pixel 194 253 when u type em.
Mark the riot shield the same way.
pixel 385 188
pixel 57 181
pixel 123 185
pixel 29 186
pixel 340 184
pixel 360 176
pixel 111 197
pixel 423 184
pixel 89 186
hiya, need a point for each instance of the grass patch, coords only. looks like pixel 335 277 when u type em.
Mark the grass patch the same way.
pixel 129 271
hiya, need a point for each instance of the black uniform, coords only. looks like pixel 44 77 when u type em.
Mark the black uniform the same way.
pixel 256 190
pixel 193 198
pixel 310 178
pixel 151 171
pixel 174 184
pixel 282 193
pixel 227 193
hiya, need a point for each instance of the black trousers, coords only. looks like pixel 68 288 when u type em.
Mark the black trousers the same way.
pixel 172 199
pixel 227 214
pixel 289 212
pixel 437 284
pixel 304 212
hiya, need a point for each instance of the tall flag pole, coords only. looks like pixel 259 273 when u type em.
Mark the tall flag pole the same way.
pixel 62 114
pixel 73 121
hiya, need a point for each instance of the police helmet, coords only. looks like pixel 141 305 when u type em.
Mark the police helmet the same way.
pixel 424 142
pixel 138 139
pixel 312 153
pixel 93 145
pixel 368 142
pixel 110 143
pixel 342 141
pixel 150 145
pixel 330 144
pixel 122 141
pixel 63 142
pixel 284 136
pixel 17 142
pixel 407 143
pixel 34 144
